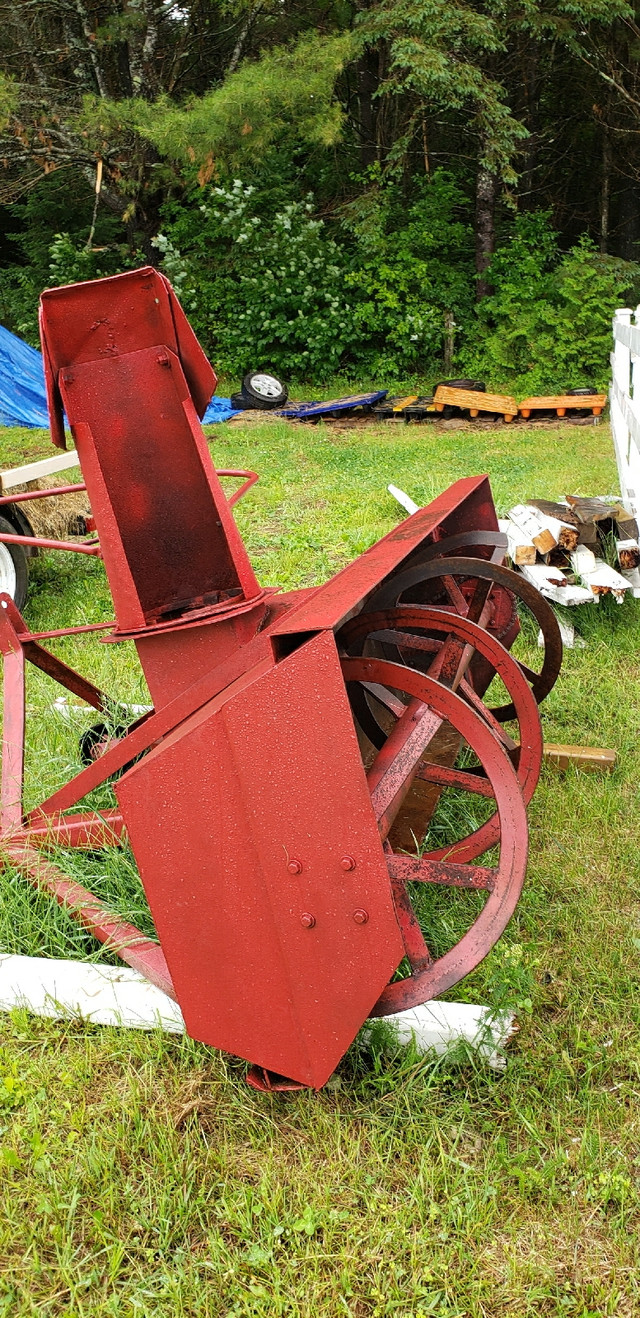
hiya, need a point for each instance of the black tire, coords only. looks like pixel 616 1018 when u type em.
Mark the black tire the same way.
pixel 14 566
pixel 95 737
pixel 581 393
pixel 239 403
pixel 474 386
pixel 263 391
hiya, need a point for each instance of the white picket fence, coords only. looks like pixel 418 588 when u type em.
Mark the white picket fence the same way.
pixel 625 403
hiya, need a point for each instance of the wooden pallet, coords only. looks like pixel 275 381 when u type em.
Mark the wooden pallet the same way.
pixel 473 402
pixel 563 403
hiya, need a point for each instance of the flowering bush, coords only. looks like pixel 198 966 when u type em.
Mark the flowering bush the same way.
pixel 270 288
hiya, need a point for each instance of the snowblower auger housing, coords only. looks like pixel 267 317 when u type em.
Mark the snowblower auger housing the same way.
pixel 297 740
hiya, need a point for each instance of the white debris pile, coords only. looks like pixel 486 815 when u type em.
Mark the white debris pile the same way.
pixel 562 548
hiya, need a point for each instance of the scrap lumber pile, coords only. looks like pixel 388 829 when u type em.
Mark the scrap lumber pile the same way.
pixel 566 549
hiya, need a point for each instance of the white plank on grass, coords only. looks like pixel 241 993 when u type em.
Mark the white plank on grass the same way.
pixel 34 471
pixel 119 996
pixel 553 585
pixel 105 995
pixel 440 1026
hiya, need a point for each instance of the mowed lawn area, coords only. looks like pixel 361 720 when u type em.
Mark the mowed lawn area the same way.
pixel 139 1175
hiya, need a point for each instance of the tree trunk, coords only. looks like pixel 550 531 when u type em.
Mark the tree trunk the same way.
pixel 486 189
pixel 605 189
pixel 367 74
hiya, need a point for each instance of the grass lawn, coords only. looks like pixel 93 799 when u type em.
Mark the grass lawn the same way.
pixel 138 1173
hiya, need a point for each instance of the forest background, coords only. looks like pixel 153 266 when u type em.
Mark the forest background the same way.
pixel 371 191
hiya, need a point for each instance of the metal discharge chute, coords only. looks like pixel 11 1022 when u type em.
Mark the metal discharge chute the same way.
pixel 278 796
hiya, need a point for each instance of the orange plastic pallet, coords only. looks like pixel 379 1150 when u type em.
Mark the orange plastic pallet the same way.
pixel 475 402
pixel 562 403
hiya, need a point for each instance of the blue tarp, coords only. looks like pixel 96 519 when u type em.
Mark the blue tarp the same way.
pixel 23 401
pixel 219 409
pixel 311 411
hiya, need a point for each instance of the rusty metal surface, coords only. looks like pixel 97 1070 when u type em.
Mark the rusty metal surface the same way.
pixel 333 603
pixel 476 570
pixel 99 318
pixel 263 837
pixel 133 381
pixel 527 757
pixel 258 859
pixel 431 976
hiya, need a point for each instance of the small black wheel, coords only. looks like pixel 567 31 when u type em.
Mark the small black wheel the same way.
pixel 263 391
pixel 14 566
pixel 581 393
pixel 239 403
pixel 94 741
pixel 474 386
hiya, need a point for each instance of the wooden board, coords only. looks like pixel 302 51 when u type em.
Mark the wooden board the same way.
pixel 475 402
pixel 591 758
pixel 561 403
pixel 36 470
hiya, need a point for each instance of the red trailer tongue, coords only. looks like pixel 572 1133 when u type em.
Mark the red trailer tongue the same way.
pixel 297 740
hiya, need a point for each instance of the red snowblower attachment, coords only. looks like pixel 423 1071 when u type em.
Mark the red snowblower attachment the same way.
pixel 278 796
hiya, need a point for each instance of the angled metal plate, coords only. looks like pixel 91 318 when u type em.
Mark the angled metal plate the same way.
pixel 245 822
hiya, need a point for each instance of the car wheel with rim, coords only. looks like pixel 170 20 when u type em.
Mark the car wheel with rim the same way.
pixel 263 391
pixel 14 569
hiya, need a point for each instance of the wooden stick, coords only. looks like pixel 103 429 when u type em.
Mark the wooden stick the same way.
pixel 591 758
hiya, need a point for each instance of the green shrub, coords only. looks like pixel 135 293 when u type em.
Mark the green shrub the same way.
pixel 410 266
pixel 547 324
pixel 269 289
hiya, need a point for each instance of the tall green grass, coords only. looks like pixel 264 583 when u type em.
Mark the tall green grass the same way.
pixel 138 1174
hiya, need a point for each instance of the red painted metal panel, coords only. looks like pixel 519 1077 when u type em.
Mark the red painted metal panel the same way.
pixel 101 318
pixel 166 530
pixel 264 870
pixel 466 503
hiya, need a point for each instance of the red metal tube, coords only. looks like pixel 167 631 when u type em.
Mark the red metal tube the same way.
pixel 129 943
pixel 251 478
pixel 40 543
pixel 25 495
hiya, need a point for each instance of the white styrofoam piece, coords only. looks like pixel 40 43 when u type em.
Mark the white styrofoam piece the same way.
pixel 404 499
pixel 61 706
pixel 105 995
pixel 553 585
pixel 438 1026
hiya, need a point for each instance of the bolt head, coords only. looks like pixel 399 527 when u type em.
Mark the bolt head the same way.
pixel 307 920
pixel 348 863
pixel 295 867
pixel 360 916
